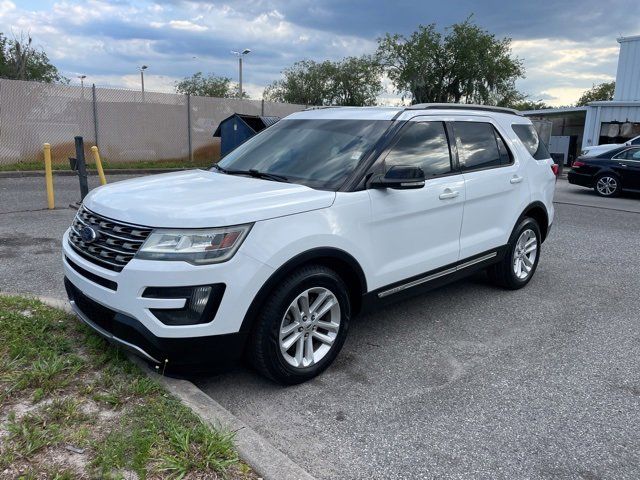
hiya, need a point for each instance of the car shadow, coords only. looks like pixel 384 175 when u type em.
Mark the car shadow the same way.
pixel 367 325
pixel 589 192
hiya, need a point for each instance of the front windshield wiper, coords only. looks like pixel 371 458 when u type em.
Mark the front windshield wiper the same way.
pixel 219 168
pixel 254 173
pixel 267 176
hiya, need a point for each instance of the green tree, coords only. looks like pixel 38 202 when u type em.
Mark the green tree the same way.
pixel 465 64
pixel 208 86
pixel 305 82
pixel 357 82
pixel 519 101
pixel 352 81
pixel 601 92
pixel 527 104
pixel 20 60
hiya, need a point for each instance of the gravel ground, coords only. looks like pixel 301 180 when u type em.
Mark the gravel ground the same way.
pixel 467 381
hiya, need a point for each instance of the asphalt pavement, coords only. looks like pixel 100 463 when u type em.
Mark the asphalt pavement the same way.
pixel 467 381
pixel 470 381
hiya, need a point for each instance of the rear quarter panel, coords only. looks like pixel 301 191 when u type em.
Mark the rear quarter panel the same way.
pixel 542 181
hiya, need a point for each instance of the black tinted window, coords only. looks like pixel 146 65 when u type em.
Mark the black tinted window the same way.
pixel 317 153
pixel 636 141
pixel 631 154
pixel 529 138
pixel 424 145
pixel 477 145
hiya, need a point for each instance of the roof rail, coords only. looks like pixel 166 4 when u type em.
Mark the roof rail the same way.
pixel 320 107
pixel 462 106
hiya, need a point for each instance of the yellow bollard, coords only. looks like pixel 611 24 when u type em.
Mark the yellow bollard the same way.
pixel 48 175
pixel 96 157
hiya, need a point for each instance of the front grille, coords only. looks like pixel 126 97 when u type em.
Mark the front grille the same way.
pixel 110 284
pixel 115 244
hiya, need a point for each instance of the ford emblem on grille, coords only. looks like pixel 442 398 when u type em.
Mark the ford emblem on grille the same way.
pixel 88 234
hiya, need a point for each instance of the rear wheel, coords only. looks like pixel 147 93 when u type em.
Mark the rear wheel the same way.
pixel 607 185
pixel 302 325
pixel 521 259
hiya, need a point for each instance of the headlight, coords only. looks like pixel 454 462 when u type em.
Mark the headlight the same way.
pixel 194 246
pixel 584 152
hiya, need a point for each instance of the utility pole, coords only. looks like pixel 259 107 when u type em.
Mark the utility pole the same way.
pixel 142 69
pixel 240 77
pixel 246 51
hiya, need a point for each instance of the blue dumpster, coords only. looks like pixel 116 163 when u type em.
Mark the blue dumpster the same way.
pixel 237 128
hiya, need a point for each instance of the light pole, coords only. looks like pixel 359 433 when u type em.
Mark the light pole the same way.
pixel 246 51
pixel 142 69
pixel 82 77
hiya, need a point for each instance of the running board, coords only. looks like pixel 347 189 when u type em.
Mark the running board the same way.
pixel 437 275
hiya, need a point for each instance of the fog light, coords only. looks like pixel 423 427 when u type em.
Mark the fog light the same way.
pixel 201 303
pixel 199 300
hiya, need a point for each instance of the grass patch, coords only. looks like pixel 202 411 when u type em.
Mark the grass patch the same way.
pixel 72 406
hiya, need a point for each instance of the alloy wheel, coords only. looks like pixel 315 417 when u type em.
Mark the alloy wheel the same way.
pixel 524 255
pixel 606 185
pixel 309 327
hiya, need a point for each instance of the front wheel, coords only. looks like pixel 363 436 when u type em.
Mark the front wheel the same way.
pixel 521 259
pixel 302 325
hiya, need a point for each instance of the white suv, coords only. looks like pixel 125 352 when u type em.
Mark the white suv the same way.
pixel 326 213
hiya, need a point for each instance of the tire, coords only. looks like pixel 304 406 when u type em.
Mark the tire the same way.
pixel 511 272
pixel 283 319
pixel 607 185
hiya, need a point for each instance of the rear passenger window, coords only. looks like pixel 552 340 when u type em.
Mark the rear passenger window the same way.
pixel 631 154
pixel 529 138
pixel 479 146
pixel 424 145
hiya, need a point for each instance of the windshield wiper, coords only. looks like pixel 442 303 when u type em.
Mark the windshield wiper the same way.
pixel 267 176
pixel 254 173
pixel 219 168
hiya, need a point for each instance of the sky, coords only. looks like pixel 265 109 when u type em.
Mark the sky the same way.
pixel 566 46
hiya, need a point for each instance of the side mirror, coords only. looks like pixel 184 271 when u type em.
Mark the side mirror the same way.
pixel 399 177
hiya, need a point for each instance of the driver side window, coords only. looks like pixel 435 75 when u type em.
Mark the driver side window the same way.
pixel 424 145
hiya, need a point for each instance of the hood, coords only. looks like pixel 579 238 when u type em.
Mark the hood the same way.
pixel 200 199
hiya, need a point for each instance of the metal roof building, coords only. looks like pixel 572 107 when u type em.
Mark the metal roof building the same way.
pixel 619 119
pixel 608 122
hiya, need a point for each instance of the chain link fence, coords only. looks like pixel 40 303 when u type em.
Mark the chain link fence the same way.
pixel 131 129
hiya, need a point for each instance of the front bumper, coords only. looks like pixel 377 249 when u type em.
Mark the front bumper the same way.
pixel 112 303
pixel 128 333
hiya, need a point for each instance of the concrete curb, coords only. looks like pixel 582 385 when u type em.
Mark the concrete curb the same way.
pixel 266 460
pixel 69 173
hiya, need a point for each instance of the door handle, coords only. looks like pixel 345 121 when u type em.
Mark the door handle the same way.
pixel 448 193
pixel 623 164
pixel 516 179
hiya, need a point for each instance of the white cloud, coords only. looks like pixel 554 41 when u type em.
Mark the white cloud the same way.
pixel 187 25
pixel 6 6
pixel 82 13
pixel 129 34
pixel 561 70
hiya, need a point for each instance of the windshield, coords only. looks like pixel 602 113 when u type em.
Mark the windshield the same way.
pixel 317 153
